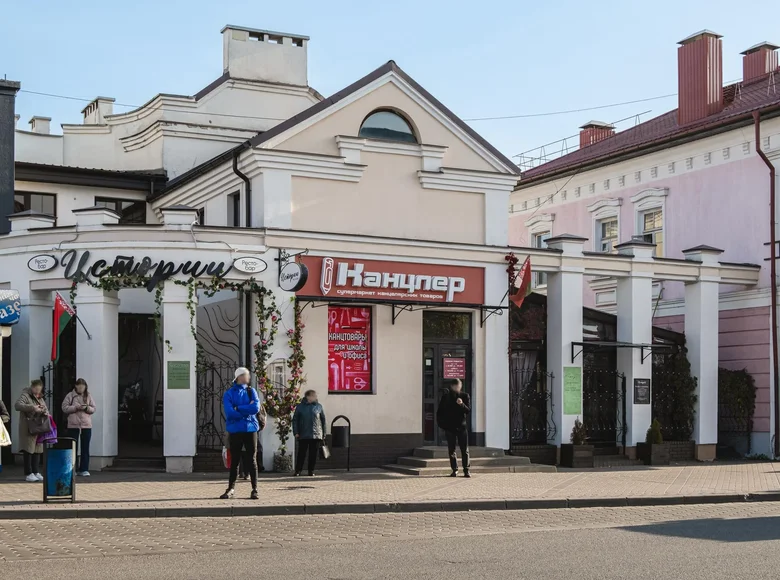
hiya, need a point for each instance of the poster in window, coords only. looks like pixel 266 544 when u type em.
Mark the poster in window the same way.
pixel 349 349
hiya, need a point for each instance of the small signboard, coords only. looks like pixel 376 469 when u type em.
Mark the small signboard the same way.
pixel 572 390
pixel 10 307
pixel 178 374
pixel 641 391
pixel 454 368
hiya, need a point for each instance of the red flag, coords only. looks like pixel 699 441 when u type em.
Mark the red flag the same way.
pixel 522 283
pixel 63 312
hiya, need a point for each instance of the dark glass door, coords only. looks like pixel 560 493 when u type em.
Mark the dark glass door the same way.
pixel 441 363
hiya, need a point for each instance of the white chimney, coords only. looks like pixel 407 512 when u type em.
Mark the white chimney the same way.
pixel 40 125
pixel 95 113
pixel 263 55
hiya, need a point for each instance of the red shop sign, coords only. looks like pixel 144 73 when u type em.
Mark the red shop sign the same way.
pixel 454 368
pixel 393 281
pixel 349 349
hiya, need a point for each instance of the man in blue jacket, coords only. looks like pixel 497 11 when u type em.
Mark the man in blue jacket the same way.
pixel 241 404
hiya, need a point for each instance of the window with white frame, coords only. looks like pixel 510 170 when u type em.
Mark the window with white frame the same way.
pixel 606 224
pixel 539 240
pixel 607 234
pixel 649 206
pixel 652 222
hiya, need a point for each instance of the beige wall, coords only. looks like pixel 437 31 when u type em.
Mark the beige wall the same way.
pixel 320 138
pixel 397 357
pixel 388 201
pixel 397 354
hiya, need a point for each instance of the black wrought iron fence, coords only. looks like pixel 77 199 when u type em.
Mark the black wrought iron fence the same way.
pixel 531 406
pixel 673 396
pixel 213 379
pixel 603 405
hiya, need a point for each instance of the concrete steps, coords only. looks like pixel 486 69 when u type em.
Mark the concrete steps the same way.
pixel 434 461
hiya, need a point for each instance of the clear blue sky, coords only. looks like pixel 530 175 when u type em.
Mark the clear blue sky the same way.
pixel 481 58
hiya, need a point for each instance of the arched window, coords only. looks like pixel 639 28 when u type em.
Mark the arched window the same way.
pixel 387 125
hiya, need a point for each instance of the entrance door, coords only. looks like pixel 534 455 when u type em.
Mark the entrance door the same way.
pixel 446 355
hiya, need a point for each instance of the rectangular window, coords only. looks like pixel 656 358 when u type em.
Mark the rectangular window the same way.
pixel 202 216
pixel 39 202
pixel 607 231
pixel 234 210
pixel 131 211
pixel 653 229
pixel 349 349
pixel 540 241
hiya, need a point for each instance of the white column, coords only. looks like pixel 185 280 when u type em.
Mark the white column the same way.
pixel 272 199
pixel 564 327
pixel 701 339
pixel 30 346
pixel 179 380
pixel 496 349
pixel 635 326
pixel 97 362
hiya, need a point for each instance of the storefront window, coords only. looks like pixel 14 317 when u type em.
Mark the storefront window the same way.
pixel 446 325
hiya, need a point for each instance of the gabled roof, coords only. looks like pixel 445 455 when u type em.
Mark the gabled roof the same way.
pixel 325 104
pixel 740 100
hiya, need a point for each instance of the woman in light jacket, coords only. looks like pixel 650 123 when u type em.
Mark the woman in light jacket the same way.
pixel 79 406
pixel 309 428
pixel 30 404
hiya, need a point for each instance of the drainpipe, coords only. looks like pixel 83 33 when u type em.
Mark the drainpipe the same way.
pixel 773 276
pixel 248 222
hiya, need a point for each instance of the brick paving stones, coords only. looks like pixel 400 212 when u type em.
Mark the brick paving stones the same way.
pixel 106 494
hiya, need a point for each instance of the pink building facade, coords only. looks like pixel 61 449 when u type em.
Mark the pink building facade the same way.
pixel 677 181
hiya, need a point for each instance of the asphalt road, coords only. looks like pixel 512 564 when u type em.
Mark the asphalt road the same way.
pixel 731 541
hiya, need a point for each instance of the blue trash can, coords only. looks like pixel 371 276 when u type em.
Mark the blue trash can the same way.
pixel 59 460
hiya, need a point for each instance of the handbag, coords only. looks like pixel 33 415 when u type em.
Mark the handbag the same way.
pixel 226 458
pixel 39 424
pixel 50 437
pixel 5 438
pixel 325 451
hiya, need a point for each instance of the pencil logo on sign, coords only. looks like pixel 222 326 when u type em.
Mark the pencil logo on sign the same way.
pixel 326 280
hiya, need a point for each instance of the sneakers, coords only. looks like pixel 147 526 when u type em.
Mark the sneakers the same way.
pixel 466 473
pixel 39 476
pixel 254 495
pixel 454 473
pixel 83 473
pixel 228 494
pixel 31 478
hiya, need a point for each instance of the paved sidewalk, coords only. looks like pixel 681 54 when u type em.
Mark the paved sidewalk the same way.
pixel 106 495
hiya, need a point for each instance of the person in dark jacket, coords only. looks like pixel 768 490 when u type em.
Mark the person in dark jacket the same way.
pixel 309 430
pixel 241 404
pixel 452 416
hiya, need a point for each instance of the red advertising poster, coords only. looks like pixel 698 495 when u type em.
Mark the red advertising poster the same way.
pixel 349 349
pixel 454 368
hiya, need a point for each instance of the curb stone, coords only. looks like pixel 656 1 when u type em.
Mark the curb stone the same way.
pixel 379 508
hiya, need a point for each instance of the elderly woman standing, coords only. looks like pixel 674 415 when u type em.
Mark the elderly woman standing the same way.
pixel 309 428
pixel 31 405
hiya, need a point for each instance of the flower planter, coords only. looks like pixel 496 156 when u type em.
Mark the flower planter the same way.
pixel 272 444
pixel 652 453
pixel 576 456
pixel 283 463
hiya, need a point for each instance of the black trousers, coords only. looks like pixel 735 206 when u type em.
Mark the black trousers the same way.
pixel 461 438
pixel 244 468
pixel 243 449
pixel 310 447
pixel 30 462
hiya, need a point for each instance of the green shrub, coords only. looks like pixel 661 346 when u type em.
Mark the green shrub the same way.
pixel 654 436
pixel 578 433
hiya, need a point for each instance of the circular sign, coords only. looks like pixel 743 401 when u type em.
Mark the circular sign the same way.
pixel 293 276
pixel 42 263
pixel 249 264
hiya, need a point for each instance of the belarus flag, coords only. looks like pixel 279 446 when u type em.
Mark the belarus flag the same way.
pixel 522 283
pixel 63 312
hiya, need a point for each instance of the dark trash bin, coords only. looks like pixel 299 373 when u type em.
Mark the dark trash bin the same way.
pixel 59 471
pixel 340 435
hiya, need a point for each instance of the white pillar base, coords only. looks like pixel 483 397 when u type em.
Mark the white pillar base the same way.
pixel 178 464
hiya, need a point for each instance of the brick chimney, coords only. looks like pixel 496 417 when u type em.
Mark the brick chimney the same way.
pixel 8 90
pixel 595 131
pixel 700 76
pixel 759 60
